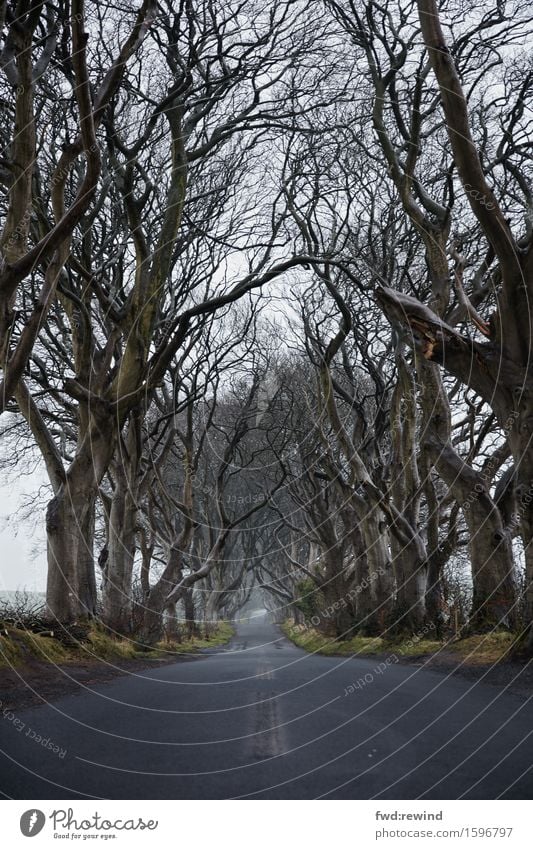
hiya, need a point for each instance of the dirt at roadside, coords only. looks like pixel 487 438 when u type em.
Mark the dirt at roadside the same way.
pixel 515 677
pixel 37 683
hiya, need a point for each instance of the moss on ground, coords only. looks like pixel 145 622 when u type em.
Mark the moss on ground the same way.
pixel 485 648
pixel 19 647
pixel 481 648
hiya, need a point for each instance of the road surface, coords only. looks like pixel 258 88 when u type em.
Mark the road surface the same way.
pixel 261 719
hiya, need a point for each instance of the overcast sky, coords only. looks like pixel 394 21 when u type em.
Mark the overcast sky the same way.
pixel 22 543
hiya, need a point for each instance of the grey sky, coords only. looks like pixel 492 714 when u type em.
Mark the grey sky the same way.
pixel 20 566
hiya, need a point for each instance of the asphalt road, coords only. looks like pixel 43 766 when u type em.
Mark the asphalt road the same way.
pixel 260 718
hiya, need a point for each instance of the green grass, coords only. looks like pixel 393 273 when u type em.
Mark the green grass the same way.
pixel 312 641
pixel 11 652
pixel 485 648
pixel 18 647
pixel 222 634
pixel 481 648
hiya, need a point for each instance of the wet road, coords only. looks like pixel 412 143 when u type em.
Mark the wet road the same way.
pixel 260 718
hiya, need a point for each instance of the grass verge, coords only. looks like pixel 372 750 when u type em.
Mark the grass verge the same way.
pixel 19 647
pixel 478 649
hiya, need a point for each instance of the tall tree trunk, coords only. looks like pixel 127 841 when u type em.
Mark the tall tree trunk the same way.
pixel 157 600
pixel 152 627
pixel 172 631
pixel 338 615
pixel 410 573
pixel 71 584
pixel 212 605
pixel 365 588
pixel 520 442
pixel 190 613
pixel 122 529
pixel 491 556
pixel 375 601
pixel 117 591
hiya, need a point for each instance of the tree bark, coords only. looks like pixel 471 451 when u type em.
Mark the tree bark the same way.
pixel 338 614
pixel 71 584
pixel 494 588
pixel 190 613
pixel 117 590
